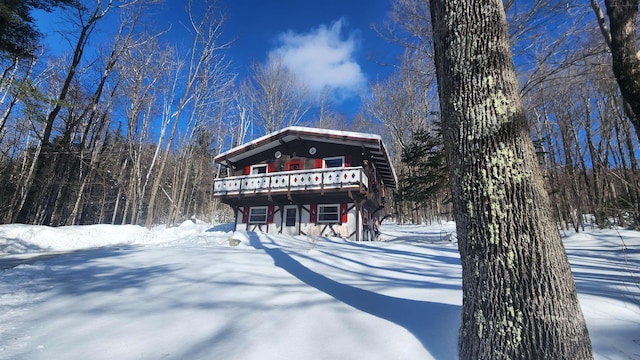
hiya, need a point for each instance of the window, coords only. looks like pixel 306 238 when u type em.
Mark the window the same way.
pixel 258 215
pixel 294 165
pixel 258 169
pixel 291 215
pixel 333 162
pixel 328 213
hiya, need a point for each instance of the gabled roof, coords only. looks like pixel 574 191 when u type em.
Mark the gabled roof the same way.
pixel 373 143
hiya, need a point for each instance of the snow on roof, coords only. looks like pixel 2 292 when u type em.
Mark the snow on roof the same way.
pixel 299 129
pixel 373 142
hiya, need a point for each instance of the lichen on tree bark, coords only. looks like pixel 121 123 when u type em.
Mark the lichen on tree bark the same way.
pixel 519 296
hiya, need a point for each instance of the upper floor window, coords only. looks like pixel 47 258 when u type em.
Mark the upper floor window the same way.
pixel 294 165
pixel 332 162
pixel 258 169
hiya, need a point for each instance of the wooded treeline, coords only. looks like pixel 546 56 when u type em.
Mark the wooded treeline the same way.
pixel 585 141
pixel 115 131
pixel 124 130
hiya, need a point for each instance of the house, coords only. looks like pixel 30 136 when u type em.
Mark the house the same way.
pixel 307 181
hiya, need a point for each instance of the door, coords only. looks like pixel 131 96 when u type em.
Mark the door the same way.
pixel 290 226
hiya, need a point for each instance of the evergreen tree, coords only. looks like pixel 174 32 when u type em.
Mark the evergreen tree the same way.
pixel 18 34
pixel 426 172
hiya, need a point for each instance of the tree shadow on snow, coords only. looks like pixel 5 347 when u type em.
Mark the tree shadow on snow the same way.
pixel 84 271
pixel 41 254
pixel 13 246
pixel 435 325
pixel 226 227
pixel 608 270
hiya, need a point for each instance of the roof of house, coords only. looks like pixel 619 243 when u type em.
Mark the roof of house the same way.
pixel 373 143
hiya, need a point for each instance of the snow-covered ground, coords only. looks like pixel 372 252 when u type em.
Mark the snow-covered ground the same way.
pixel 123 292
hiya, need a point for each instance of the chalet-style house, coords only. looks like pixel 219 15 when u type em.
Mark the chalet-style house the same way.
pixel 306 181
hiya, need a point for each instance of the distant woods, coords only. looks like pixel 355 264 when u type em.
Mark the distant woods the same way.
pixel 582 128
pixel 119 128
pixel 123 128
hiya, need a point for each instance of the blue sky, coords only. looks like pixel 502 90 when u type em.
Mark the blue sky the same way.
pixel 327 43
pixel 334 32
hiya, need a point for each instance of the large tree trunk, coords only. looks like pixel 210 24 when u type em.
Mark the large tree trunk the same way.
pixel 519 296
pixel 626 63
pixel 634 181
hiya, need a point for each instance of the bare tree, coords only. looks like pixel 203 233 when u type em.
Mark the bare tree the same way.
pixel 519 296
pixel 243 122
pixel 540 54
pixel 36 205
pixel 210 108
pixel 278 99
pixel 405 101
pixel 204 61
pixel 87 170
pixel 97 115
pixel 14 85
pixel 406 104
pixel 142 71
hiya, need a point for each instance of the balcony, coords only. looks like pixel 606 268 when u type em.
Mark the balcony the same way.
pixel 289 182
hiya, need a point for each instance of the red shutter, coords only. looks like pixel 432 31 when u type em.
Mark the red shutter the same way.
pixel 247 170
pixel 245 215
pixel 318 163
pixel 270 211
pixel 344 213
pixel 347 161
pixel 313 213
pixel 271 167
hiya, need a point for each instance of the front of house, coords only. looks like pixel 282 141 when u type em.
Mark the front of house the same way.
pixel 307 181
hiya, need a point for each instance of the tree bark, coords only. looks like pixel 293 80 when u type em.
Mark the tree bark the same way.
pixel 519 296
pixel 635 174
pixel 626 64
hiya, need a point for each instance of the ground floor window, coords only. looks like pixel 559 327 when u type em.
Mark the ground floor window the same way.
pixel 258 215
pixel 328 213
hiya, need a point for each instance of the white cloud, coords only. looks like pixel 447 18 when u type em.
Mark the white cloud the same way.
pixel 322 59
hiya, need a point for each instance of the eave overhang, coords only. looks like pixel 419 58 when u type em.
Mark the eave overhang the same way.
pixel 372 143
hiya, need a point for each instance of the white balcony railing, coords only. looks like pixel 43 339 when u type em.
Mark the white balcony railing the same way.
pixel 287 181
